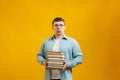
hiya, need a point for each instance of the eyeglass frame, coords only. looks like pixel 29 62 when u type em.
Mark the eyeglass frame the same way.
pixel 61 25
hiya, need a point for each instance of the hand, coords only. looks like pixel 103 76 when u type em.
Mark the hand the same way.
pixel 64 67
pixel 46 64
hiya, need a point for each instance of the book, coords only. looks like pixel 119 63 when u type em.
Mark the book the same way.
pixel 52 64
pixel 55 53
pixel 56 56
pixel 57 63
pixel 60 59
pixel 55 60
pixel 55 67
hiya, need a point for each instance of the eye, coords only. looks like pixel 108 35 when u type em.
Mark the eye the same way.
pixel 56 25
pixel 61 25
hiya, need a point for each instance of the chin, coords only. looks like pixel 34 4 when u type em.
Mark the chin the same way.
pixel 59 33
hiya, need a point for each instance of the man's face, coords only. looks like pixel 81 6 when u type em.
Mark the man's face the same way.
pixel 58 27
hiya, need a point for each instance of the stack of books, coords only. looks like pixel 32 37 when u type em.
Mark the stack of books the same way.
pixel 55 60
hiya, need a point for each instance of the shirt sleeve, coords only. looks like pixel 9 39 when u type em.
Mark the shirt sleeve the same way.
pixel 40 55
pixel 77 57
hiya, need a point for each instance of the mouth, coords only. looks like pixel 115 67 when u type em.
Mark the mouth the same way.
pixel 58 31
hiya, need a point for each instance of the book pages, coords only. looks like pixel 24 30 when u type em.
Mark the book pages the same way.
pixel 55 60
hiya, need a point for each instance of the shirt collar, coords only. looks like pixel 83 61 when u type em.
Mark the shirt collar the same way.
pixel 64 37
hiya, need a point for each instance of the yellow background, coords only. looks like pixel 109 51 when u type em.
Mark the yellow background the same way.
pixel 25 24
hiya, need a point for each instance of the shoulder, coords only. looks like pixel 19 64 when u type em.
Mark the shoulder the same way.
pixel 47 39
pixel 73 42
pixel 71 39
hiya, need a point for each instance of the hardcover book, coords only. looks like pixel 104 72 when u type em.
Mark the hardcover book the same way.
pixel 55 60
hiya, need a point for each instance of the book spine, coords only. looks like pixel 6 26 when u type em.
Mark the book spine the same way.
pixel 56 67
pixel 55 63
pixel 55 53
pixel 56 56
pixel 62 59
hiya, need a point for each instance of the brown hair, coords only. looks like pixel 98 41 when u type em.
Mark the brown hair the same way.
pixel 57 19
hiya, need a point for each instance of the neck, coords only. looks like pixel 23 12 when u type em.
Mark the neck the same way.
pixel 58 36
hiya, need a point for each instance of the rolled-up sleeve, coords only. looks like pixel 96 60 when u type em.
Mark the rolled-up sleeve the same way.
pixel 77 57
pixel 40 55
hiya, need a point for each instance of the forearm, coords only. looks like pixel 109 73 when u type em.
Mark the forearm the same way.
pixel 41 59
pixel 75 61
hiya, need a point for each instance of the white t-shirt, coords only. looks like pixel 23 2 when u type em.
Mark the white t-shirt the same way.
pixel 56 73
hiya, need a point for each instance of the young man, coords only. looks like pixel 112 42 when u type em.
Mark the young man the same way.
pixel 59 42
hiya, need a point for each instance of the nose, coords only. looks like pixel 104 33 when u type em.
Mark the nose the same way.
pixel 58 26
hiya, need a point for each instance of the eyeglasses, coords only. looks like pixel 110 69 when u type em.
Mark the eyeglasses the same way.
pixel 56 25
